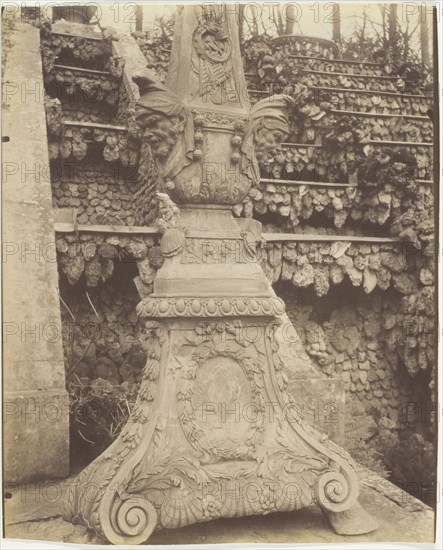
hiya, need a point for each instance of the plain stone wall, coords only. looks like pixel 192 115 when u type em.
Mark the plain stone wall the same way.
pixel 36 403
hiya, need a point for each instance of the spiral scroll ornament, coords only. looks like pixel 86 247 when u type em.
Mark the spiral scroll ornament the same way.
pixel 334 493
pixel 129 521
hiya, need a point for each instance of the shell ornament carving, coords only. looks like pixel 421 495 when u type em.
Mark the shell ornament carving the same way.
pixel 173 242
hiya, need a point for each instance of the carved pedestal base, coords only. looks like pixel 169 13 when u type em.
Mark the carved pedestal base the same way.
pixel 214 433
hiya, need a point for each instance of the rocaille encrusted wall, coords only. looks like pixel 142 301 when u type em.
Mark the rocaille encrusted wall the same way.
pixel 361 146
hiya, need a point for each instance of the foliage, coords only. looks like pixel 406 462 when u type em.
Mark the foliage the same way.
pixel 99 410
pixel 99 404
pixel 156 42
pixel 344 133
pixel 359 48
pixel 387 41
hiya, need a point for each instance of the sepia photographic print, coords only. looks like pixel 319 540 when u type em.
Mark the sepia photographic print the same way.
pixel 220 273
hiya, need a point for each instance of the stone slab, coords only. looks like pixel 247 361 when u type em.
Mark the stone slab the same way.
pixel 36 419
pixel 321 400
pixel 36 433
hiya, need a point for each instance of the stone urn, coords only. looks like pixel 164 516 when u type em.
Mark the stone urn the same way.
pixel 74 14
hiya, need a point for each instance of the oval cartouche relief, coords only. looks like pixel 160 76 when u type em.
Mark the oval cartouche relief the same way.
pixel 221 395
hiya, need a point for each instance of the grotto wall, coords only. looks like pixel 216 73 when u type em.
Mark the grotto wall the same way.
pixel 96 182
pixel 367 171
pixel 346 206
pixel 364 345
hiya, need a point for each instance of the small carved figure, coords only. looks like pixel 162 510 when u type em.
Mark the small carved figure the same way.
pixel 168 213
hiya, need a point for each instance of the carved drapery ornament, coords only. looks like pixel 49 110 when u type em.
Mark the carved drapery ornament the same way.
pixel 214 433
pixel 212 61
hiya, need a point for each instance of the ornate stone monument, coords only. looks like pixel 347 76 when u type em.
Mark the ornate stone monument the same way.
pixel 214 433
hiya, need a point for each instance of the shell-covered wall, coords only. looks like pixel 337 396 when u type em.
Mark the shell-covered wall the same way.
pixel 356 165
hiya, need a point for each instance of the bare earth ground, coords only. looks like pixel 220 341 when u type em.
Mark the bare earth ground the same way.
pixel 401 518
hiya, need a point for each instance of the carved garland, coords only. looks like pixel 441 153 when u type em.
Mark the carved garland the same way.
pixel 219 119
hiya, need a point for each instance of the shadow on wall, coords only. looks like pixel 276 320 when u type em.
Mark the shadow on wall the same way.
pixel 104 355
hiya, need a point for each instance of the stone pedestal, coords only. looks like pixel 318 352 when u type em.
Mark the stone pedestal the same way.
pixel 214 433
